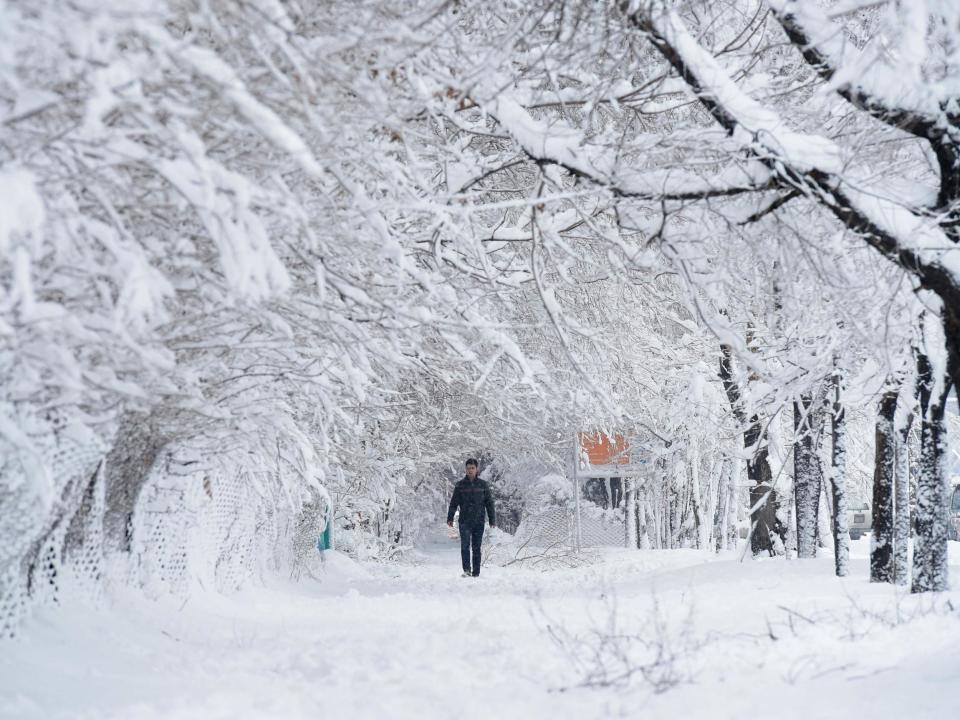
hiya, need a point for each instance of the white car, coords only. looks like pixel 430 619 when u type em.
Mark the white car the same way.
pixel 859 520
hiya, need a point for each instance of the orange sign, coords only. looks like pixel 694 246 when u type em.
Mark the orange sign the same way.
pixel 601 450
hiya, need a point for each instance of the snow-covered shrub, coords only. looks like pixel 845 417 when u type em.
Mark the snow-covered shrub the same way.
pixel 661 651
pixel 550 491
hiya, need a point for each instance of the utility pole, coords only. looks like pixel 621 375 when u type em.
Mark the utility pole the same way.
pixel 578 538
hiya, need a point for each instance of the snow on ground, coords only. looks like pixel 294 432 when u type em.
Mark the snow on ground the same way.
pixel 652 634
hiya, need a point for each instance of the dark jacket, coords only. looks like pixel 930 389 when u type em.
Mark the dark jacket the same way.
pixel 472 497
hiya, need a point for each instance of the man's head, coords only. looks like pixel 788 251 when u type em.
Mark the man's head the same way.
pixel 471 468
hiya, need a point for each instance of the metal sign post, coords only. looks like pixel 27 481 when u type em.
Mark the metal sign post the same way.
pixel 578 537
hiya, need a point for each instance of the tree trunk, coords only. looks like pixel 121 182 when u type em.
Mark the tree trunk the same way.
pixel 838 483
pixel 136 447
pixel 790 541
pixel 930 569
pixel 763 516
pixel 641 515
pixel 700 521
pixel 667 506
pixel 881 538
pixel 653 512
pixel 807 473
pixel 951 325
pixel 712 500
pixel 630 513
pixel 901 494
pixel 722 523
pixel 656 508
pixel 825 515
pixel 764 525
pixel 733 516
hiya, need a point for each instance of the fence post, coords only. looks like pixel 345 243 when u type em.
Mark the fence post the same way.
pixel 578 538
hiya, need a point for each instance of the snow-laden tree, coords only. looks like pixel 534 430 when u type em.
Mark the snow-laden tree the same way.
pixel 917 42
pixel 649 108
pixel 637 146
pixel 216 244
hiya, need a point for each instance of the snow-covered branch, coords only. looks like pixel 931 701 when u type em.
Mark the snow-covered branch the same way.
pixel 863 77
pixel 900 95
pixel 562 145
pixel 811 164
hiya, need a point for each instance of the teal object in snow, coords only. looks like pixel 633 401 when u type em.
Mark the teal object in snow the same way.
pixel 325 541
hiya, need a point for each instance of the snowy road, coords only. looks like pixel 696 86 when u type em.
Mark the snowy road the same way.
pixel 417 641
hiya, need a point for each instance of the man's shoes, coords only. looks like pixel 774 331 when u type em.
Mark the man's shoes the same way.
pixel 466 574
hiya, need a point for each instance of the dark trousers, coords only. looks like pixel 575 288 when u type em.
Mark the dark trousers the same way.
pixel 470 538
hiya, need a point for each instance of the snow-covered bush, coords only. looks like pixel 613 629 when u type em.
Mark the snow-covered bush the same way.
pixel 551 490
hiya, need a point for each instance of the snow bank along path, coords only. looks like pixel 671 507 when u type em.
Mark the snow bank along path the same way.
pixel 714 638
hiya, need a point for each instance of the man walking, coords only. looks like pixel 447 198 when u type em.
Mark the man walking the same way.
pixel 472 496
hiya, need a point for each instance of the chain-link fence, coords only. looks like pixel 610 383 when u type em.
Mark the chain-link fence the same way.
pixel 557 527
pixel 212 525
pixel 52 497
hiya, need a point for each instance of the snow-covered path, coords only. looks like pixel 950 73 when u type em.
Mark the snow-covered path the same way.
pixel 415 640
